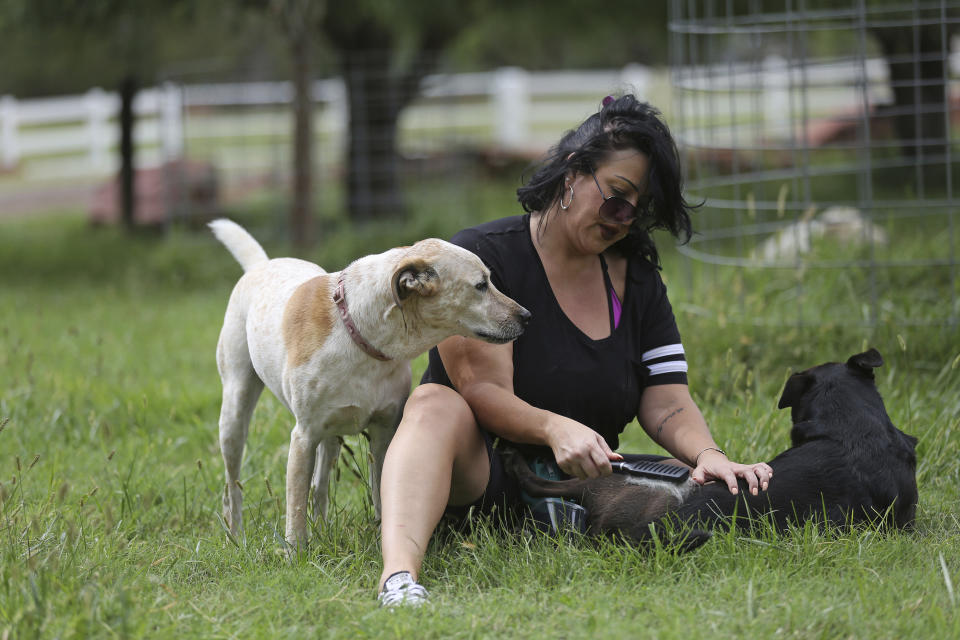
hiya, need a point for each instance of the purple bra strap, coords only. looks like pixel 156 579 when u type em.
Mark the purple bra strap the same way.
pixel 615 305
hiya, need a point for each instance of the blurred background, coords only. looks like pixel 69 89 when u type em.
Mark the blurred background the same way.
pixel 338 107
pixel 817 136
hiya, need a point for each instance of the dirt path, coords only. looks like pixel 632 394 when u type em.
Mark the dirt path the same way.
pixel 37 199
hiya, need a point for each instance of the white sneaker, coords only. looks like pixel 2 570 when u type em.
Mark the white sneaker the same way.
pixel 400 589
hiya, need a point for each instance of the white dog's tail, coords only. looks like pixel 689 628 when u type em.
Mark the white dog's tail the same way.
pixel 241 244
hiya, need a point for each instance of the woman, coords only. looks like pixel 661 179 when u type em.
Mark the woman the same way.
pixel 601 349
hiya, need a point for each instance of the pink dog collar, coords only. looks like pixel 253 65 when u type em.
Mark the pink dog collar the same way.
pixel 340 299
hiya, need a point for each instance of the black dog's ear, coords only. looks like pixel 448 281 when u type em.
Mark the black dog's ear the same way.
pixel 864 363
pixel 796 386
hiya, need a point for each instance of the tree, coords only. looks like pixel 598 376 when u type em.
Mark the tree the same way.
pixel 384 51
pixel 917 57
pixel 298 20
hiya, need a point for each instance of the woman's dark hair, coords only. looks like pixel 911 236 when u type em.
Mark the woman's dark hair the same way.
pixel 622 123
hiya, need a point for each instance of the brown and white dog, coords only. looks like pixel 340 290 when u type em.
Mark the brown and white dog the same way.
pixel 334 348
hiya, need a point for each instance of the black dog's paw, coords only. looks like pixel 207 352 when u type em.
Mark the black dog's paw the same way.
pixel 692 539
pixel 674 536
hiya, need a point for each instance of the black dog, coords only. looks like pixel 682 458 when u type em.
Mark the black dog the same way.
pixel 848 464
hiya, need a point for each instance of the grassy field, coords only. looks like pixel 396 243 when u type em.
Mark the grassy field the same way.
pixel 110 475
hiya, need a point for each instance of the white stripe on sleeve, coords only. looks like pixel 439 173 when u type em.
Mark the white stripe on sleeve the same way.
pixel 675 366
pixel 660 352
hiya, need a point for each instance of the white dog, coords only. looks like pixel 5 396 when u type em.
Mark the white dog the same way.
pixel 335 350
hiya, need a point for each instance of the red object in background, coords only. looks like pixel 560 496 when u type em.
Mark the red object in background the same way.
pixel 175 190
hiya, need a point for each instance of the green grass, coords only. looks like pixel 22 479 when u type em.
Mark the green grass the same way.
pixel 110 474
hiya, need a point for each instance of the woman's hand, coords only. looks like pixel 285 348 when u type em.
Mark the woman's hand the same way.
pixel 579 450
pixel 714 465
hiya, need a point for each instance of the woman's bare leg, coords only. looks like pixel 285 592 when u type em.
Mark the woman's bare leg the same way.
pixel 437 457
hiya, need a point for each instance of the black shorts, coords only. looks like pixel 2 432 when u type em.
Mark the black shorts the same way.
pixel 503 499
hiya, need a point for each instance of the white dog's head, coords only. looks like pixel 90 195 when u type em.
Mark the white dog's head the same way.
pixel 447 289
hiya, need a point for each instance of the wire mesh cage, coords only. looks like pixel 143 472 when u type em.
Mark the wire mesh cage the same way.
pixel 819 138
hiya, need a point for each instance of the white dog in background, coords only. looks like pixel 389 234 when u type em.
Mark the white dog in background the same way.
pixel 335 349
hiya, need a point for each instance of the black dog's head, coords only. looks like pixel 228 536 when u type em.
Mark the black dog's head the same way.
pixel 840 401
pixel 858 371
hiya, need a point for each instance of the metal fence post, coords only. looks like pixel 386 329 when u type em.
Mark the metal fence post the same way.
pixel 9 145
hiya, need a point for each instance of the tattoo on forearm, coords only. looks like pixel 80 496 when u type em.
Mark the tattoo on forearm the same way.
pixel 664 422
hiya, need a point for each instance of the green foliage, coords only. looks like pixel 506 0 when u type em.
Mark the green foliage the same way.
pixel 53 48
pixel 565 34
pixel 110 474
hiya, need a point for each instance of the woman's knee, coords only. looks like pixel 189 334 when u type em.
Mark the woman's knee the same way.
pixel 437 407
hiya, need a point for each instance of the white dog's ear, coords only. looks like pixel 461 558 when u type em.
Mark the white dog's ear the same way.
pixel 414 276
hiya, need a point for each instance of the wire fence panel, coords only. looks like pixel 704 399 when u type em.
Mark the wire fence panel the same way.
pixel 819 137
pixel 509 108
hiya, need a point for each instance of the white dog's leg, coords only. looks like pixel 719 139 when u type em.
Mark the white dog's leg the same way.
pixel 241 390
pixel 327 453
pixel 303 452
pixel 381 432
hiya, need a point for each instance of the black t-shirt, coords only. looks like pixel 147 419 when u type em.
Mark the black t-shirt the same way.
pixel 556 366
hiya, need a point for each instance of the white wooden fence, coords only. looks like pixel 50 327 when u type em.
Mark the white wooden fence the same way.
pixel 80 127
pixel 75 135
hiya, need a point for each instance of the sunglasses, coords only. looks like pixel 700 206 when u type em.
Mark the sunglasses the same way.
pixel 617 210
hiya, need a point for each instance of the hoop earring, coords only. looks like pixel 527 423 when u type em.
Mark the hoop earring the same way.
pixel 567 206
